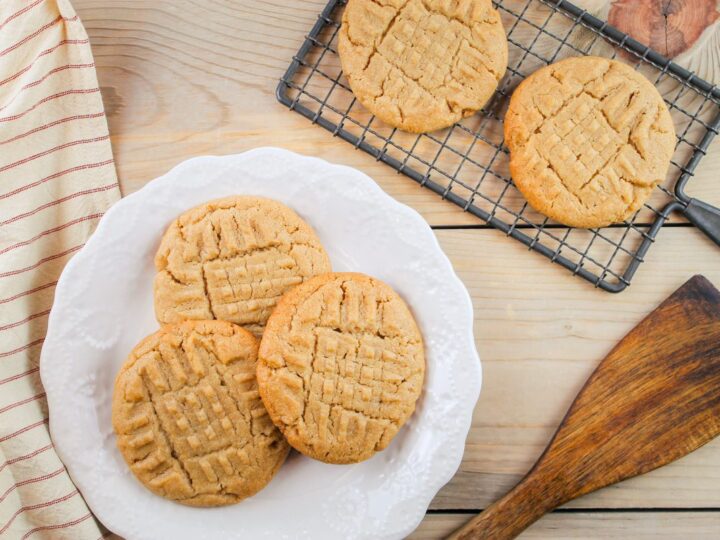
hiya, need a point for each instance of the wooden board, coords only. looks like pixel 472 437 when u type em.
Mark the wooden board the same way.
pixel 540 334
pixel 183 78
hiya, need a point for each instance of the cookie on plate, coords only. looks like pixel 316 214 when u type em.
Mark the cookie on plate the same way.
pixel 232 259
pixel 589 139
pixel 340 367
pixel 188 418
pixel 421 65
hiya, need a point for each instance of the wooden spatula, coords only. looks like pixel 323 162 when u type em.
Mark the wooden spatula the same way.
pixel 653 399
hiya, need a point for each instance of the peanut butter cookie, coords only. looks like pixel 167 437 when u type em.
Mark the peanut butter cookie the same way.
pixel 188 417
pixel 422 65
pixel 232 259
pixel 589 139
pixel 340 367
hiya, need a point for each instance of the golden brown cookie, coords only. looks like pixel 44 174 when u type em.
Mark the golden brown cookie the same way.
pixel 589 139
pixel 341 366
pixel 188 418
pixel 232 259
pixel 422 65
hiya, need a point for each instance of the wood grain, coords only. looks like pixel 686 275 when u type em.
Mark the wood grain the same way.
pixel 595 526
pixel 185 78
pixel 669 26
pixel 653 399
pixel 539 336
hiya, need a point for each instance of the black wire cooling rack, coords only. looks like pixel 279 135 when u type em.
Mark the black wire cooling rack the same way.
pixel 467 163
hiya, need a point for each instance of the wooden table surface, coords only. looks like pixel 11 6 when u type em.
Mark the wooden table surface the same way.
pixel 182 78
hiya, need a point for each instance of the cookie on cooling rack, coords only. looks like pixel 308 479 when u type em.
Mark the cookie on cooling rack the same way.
pixel 232 259
pixel 589 139
pixel 421 65
pixel 340 367
pixel 188 417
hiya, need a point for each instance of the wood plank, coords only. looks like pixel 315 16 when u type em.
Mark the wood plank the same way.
pixel 181 79
pixel 589 525
pixel 540 334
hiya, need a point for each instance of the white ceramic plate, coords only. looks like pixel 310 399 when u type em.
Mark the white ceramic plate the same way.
pixel 103 307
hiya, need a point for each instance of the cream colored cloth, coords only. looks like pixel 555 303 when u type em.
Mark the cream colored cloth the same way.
pixel 57 177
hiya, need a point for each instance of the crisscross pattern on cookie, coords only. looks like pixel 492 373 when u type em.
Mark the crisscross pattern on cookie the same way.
pixel 422 64
pixel 232 259
pixel 341 367
pixel 589 139
pixel 188 416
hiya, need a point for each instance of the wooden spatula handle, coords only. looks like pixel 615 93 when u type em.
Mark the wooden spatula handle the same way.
pixel 652 400
pixel 508 517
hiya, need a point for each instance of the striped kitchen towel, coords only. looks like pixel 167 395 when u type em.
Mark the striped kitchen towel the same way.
pixel 57 177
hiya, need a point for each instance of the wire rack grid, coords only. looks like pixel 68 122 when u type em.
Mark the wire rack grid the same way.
pixel 467 164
